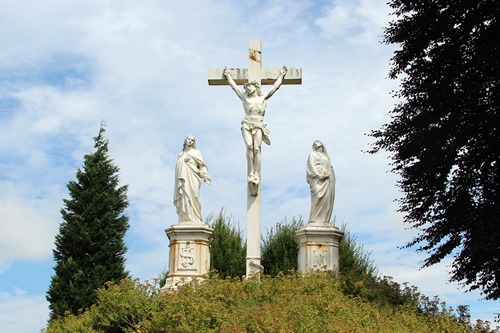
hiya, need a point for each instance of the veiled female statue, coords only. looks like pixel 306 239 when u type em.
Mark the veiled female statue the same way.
pixel 321 179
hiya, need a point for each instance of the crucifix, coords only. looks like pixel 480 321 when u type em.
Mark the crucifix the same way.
pixel 254 131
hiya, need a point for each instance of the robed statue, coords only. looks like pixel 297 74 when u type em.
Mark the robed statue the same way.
pixel 189 171
pixel 321 179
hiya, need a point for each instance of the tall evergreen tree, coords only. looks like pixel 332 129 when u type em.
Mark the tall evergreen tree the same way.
pixel 89 248
pixel 444 135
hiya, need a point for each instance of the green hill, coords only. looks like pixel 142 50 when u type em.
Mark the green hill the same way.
pixel 285 303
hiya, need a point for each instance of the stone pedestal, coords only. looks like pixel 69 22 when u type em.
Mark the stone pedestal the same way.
pixel 189 256
pixel 318 247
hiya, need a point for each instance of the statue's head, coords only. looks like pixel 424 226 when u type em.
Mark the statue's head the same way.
pixel 253 86
pixel 318 146
pixel 190 141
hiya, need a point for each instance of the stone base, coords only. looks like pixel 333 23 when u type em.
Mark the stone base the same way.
pixel 318 247
pixel 189 256
pixel 253 268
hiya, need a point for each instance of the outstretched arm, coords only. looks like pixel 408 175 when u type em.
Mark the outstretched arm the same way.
pixel 277 84
pixel 233 84
pixel 204 175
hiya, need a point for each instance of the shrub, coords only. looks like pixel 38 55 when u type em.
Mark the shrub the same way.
pixel 120 307
pixel 286 303
pixel 227 250
pixel 279 249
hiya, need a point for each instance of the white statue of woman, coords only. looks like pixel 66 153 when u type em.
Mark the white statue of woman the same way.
pixel 252 127
pixel 321 179
pixel 189 170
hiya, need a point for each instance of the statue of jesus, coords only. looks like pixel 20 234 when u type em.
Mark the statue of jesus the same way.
pixel 253 129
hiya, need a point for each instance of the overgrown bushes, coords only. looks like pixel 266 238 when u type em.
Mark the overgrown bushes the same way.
pixel 357 300
pixel 285 303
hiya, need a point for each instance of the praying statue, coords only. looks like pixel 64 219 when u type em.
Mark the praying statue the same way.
pixel 252 127
pixel 189 171
pixel 321 179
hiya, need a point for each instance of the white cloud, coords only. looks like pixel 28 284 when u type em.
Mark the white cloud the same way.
pixel 361 20
pixel 26 233
pixel 22 313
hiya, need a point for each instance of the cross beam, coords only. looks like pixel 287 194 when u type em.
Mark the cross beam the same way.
pixel 267 77
pixel 255 72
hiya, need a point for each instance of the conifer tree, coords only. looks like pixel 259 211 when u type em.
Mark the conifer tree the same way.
pixel 89 248
pixel 228 249
pixel 280 251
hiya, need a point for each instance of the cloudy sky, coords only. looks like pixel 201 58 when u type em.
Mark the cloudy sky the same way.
pixel 142 67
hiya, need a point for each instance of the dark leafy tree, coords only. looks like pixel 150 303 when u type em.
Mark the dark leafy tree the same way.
pixel 444 136
pixel 228 249
pixel 280 252
pixel 89 248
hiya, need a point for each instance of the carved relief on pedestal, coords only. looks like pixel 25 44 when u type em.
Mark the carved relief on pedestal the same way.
pixel 319 259
pixel 187 255
pixel 318 247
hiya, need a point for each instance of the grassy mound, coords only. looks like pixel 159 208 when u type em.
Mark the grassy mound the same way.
pixel 285 303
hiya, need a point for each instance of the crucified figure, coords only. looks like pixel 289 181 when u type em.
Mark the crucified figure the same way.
pixel 253 129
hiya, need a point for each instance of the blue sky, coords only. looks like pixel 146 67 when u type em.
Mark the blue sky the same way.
pixel 142 67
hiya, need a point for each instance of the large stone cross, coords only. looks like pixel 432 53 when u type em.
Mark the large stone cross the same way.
pixel 256 73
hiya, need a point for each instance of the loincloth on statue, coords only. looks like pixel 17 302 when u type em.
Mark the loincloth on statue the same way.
pixel 253 127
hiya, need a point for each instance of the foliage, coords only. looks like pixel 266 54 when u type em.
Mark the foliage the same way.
pixel 357 299
pixel 89 246
pixel 280 251
pixel 444 133
pixel 359 276
pixel 353 258
pixel 120 307
pixel 162 277
pixel 285 303
pixel 227 250
pixel 279 248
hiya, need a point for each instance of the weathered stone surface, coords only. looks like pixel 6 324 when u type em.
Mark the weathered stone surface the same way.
pixel 240 76
pixel 189 255
pixel 318 247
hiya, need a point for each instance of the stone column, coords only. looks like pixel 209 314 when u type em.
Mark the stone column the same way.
pixel 318 247
pixel 189 253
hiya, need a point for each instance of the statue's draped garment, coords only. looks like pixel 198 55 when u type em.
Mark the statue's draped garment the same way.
pixel 189 170
pixel 322 190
